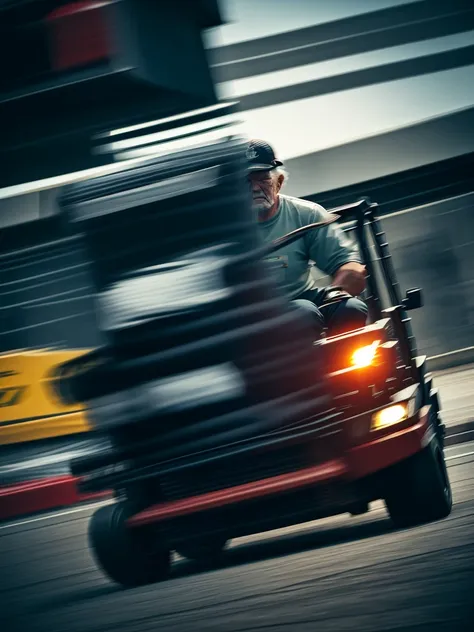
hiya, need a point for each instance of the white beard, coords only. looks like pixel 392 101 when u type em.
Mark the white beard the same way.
pixel 261 205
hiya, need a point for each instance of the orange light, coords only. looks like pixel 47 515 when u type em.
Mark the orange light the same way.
pixel 389 416
pixel 365 356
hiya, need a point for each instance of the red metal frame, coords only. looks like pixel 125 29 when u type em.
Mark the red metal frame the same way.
pixel 331 470
pixel 357 462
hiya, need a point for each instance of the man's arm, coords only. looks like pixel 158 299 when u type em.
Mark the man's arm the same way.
pixel 351 277
pixel 335 254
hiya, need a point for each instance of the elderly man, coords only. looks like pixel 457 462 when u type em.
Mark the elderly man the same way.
pixel 328 247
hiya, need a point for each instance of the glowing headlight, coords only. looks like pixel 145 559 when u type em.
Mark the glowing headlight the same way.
pixel 390 415
pixel 364 356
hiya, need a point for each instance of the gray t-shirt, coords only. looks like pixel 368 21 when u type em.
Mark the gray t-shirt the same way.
pixel 328 247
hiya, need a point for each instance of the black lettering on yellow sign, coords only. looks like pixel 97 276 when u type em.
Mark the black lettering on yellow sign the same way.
pixel 12 396
pixel 7 373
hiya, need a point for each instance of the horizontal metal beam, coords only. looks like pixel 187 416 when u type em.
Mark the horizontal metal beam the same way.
pixel 382 73
pixel 379 30
pixel 424 143
pixel 361 25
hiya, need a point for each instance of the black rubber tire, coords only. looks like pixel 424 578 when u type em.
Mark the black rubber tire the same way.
pixel 207 552
pixel 127 556
pixel 419 489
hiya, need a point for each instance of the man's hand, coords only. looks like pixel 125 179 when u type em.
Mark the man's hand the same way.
pixel 351 278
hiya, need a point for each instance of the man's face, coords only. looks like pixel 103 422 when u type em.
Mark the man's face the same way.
pixel 265 188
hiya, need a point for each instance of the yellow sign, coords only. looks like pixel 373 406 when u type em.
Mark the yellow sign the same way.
pixel 29 407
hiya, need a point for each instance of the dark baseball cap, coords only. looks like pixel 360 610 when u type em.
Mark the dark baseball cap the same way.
pixel 261 156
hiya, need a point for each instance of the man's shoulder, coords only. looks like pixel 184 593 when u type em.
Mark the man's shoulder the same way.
pixel 305 209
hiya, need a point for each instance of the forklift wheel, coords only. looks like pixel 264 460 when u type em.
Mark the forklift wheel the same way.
pixel 129 557
pixel 419 490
